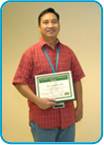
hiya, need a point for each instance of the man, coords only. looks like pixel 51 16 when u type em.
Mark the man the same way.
pixel 50 124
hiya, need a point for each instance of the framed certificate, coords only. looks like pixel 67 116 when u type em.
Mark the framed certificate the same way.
pixel 55 85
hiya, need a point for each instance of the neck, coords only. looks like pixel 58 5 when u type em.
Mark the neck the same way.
pixel 51 42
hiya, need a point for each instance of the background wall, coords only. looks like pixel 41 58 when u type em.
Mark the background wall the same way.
pixel 80 29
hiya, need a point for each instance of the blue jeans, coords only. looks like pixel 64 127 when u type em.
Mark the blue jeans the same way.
pixel 52 135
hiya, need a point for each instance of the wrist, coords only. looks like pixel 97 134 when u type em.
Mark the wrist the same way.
pixel 36 100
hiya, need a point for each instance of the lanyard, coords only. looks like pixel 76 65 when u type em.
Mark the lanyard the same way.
pixel 49 59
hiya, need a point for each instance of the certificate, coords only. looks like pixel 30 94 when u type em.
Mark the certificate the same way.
pixel 55 85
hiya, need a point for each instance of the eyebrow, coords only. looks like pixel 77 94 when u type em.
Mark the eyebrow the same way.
pixel 49 19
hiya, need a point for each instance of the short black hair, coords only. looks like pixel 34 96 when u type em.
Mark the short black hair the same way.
pixel 49 10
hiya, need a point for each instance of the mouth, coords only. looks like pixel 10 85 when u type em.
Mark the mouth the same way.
pixel 51 31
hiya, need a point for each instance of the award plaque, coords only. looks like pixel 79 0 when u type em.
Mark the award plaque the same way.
pixel 55 85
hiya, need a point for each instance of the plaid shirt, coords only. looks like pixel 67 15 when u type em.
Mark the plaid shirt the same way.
pixel 34 62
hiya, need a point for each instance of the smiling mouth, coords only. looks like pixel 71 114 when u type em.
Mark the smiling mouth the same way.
pixel 51 31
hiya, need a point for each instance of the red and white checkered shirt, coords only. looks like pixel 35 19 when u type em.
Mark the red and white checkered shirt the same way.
pixel 34 62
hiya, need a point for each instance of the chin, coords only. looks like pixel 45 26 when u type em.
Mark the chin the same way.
pixel 51 36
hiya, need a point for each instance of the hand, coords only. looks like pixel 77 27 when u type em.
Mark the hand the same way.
pixel 45 103
pixel 78 114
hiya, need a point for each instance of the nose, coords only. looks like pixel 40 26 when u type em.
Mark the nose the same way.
pixel 50 25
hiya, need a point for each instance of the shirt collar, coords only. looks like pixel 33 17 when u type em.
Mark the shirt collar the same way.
pixel 43 43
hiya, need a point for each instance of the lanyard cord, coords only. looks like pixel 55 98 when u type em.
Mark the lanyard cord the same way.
pixel 49 59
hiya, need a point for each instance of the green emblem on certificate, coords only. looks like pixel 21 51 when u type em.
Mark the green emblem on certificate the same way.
pixel 55 85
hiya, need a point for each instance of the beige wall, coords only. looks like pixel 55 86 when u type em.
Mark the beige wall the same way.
pixel 80 29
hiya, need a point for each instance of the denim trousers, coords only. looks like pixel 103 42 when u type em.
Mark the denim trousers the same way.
pixel 52 135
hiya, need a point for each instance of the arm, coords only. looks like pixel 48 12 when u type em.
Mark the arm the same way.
pixel 29 94
pixel 79 102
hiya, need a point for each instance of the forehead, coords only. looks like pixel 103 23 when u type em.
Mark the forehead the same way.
pixel 48 16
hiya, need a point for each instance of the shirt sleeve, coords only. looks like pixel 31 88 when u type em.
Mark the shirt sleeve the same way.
pixel 76 68
pixel 24 70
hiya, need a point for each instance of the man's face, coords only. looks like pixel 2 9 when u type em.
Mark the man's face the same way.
pixel 49 25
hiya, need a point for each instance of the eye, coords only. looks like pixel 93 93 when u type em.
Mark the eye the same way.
pixel 45 22
pixel 54 21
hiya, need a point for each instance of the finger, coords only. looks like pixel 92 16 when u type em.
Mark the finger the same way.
pixel 52 99
pixel 52 103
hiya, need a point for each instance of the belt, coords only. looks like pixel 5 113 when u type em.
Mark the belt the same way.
pixel 59 105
